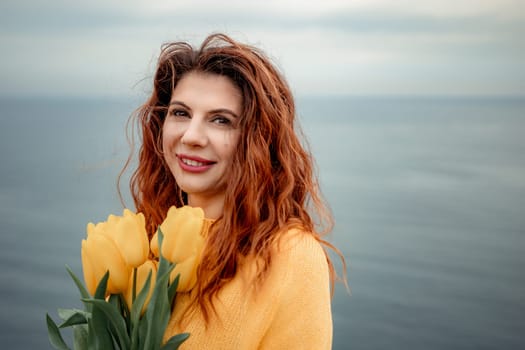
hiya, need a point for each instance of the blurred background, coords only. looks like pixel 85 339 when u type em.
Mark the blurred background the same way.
pixel 414 110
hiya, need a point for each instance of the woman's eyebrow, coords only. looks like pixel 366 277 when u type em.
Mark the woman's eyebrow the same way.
pixel 224 110
pixel 179 103
pixel 213 111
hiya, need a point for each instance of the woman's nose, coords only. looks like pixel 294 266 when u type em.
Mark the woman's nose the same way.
pixel 195 133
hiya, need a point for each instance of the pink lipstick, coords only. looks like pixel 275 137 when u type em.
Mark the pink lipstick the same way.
pixel 194 164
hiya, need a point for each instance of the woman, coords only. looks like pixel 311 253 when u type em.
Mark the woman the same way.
pixel 219 133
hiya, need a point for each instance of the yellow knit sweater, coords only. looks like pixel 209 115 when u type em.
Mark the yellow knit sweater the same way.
pixel 290 310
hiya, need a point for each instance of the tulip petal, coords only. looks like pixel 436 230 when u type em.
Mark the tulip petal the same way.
pixel 112 220
pixel 142 274
pixel 154 245
pixel 87 268
pixel 182 233
pixel 131 239
pixel 105 255
pixel 90 228
pixel 188 274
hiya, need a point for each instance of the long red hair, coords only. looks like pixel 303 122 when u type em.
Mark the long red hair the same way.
pixel 272 185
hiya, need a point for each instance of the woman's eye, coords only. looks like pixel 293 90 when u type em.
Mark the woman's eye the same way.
pixel 221 120
pixel 179 113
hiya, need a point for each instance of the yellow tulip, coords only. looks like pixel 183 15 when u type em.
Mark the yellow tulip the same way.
pixel 188 273
pixel 118 245
pixel 182 233
pixel 99 255
pixel 142 274
pixel 182 244
pixel 154 244
pixel 131 237
pixel 90 277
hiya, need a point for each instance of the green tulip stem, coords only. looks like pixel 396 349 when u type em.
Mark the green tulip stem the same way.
pixel 134 290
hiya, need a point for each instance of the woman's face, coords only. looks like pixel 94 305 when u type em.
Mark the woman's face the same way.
pixel 201 132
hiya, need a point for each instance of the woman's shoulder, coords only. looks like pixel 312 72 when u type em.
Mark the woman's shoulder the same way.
pixel 299 286
pixel 300 252
pixel 295 241
pixel 297 257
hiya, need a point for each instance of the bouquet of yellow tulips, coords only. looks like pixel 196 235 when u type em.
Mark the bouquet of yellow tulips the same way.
pixel 131 283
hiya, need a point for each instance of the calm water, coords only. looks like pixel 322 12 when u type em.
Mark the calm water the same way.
pixel 428 194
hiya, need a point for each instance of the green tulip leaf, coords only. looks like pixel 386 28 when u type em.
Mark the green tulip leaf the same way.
pixel 98 323
pixel 159 307
pixel 100 292
pixel 115 319
pixel 80 337
pixel 64 314
pixel 114 300
pixel 55 338
pixel 83 291
pixel 100 338
pixel 172 289
pixel 114 339
pixel 124 310
pixel 165 267
pixel 92 341
pixel 79 317
pixel 117 300
pixel 143 331
pixel 163 264
pixel 136 310
pixel 175 341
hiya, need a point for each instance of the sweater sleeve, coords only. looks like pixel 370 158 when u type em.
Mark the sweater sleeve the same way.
pixel 302 318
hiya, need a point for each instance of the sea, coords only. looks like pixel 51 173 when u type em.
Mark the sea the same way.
pixel 428 195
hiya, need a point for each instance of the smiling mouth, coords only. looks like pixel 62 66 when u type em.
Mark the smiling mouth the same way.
pixel 192 162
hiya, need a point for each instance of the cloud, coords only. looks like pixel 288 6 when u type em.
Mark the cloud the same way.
pixel 357 47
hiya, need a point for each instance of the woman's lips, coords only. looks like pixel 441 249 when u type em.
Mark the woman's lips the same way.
pixel 194 164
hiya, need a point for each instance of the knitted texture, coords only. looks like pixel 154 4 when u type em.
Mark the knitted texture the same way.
pixel 290 310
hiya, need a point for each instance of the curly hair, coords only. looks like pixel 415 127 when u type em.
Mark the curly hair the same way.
pixel 272 185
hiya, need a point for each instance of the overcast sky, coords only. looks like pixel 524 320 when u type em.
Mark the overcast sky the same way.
pixel 358 47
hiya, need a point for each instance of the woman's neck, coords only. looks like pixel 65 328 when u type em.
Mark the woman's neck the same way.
pixel 213 207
